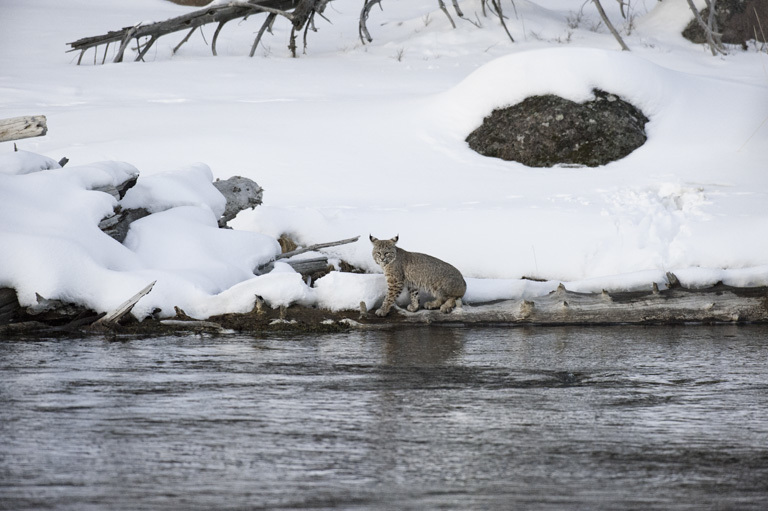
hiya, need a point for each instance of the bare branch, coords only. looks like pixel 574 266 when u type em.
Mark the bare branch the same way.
pixel 709 27
pixel 610 26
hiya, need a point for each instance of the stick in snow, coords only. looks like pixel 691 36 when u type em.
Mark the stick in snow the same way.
pixel 116 315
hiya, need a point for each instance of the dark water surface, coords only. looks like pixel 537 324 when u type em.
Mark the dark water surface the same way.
pixel 424 418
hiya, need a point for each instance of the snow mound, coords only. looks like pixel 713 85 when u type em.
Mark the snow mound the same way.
pixel 53 246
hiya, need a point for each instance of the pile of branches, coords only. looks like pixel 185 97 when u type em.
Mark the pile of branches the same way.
pixel 300 13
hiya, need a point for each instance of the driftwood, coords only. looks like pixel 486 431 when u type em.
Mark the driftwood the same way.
pixel 116 315
pixel 718 304
pixel 305 266
pixel 241 194
pixel 119 222
pixel 17 128
pixel 299 12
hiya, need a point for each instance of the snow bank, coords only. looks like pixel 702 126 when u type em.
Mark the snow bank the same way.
pixel 52 245
pixel 373 143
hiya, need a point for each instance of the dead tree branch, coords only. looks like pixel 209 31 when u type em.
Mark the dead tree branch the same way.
pixel 298 12
pixel 267 267
pixel 714 38
pixel 610 26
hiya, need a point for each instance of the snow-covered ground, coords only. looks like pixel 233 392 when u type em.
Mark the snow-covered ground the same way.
pixel 351 139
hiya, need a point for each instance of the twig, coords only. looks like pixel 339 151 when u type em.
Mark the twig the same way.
pixel 186 38
pixel 713 37
pixel 610 26
pixel 443 8
pixel 497 6
pixel 362 28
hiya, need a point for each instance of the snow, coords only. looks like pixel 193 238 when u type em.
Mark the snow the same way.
pixel 352 139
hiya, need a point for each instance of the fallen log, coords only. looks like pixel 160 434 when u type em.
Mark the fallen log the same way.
pixel 17 128
pixel 298 12
pixel 715 305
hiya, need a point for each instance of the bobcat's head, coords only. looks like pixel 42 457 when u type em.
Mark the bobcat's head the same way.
pixel 384 251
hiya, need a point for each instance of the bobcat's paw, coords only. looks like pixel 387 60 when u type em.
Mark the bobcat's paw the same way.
pixel 381 312
pixel 448 305
pixel 432 305
pixel 413 308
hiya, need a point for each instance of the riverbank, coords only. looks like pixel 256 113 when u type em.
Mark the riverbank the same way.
pixel 719 304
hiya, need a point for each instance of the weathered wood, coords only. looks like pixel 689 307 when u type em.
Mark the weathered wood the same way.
pixel 241 194
pixel 115 316
pixel 17 128
pixel 305 266
pixel 309 266
pixel 719 304
pixel 316 247
pixel 9 305
pixel 298 12
pixel 119 223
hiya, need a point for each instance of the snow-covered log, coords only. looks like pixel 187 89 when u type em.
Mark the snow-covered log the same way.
pixel 17 128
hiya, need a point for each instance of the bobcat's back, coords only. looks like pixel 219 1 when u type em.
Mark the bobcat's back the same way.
pixel 431 274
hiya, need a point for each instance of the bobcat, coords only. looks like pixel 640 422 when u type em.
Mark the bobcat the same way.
pixel 416 271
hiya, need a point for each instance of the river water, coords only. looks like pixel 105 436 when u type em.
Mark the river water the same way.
pixel 421 418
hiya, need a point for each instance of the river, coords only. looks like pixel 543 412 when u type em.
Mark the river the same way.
pixel 420 418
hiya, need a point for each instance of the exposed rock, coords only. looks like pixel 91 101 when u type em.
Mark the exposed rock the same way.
pixel 543 131
pixel 241 193
pixel 738 20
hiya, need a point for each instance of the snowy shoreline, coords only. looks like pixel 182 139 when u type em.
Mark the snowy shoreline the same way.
pixel 374 145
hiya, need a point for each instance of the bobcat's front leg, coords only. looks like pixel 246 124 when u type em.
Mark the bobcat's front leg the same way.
pixel 414 306
pixel 394 288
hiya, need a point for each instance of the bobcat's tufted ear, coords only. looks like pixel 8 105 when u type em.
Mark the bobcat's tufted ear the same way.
pixel 373 240
pixel 394 240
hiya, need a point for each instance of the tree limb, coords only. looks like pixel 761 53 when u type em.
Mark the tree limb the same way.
pixel 298 12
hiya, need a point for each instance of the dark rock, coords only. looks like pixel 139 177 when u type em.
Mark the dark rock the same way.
pixel 738 20
pixel 543 131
